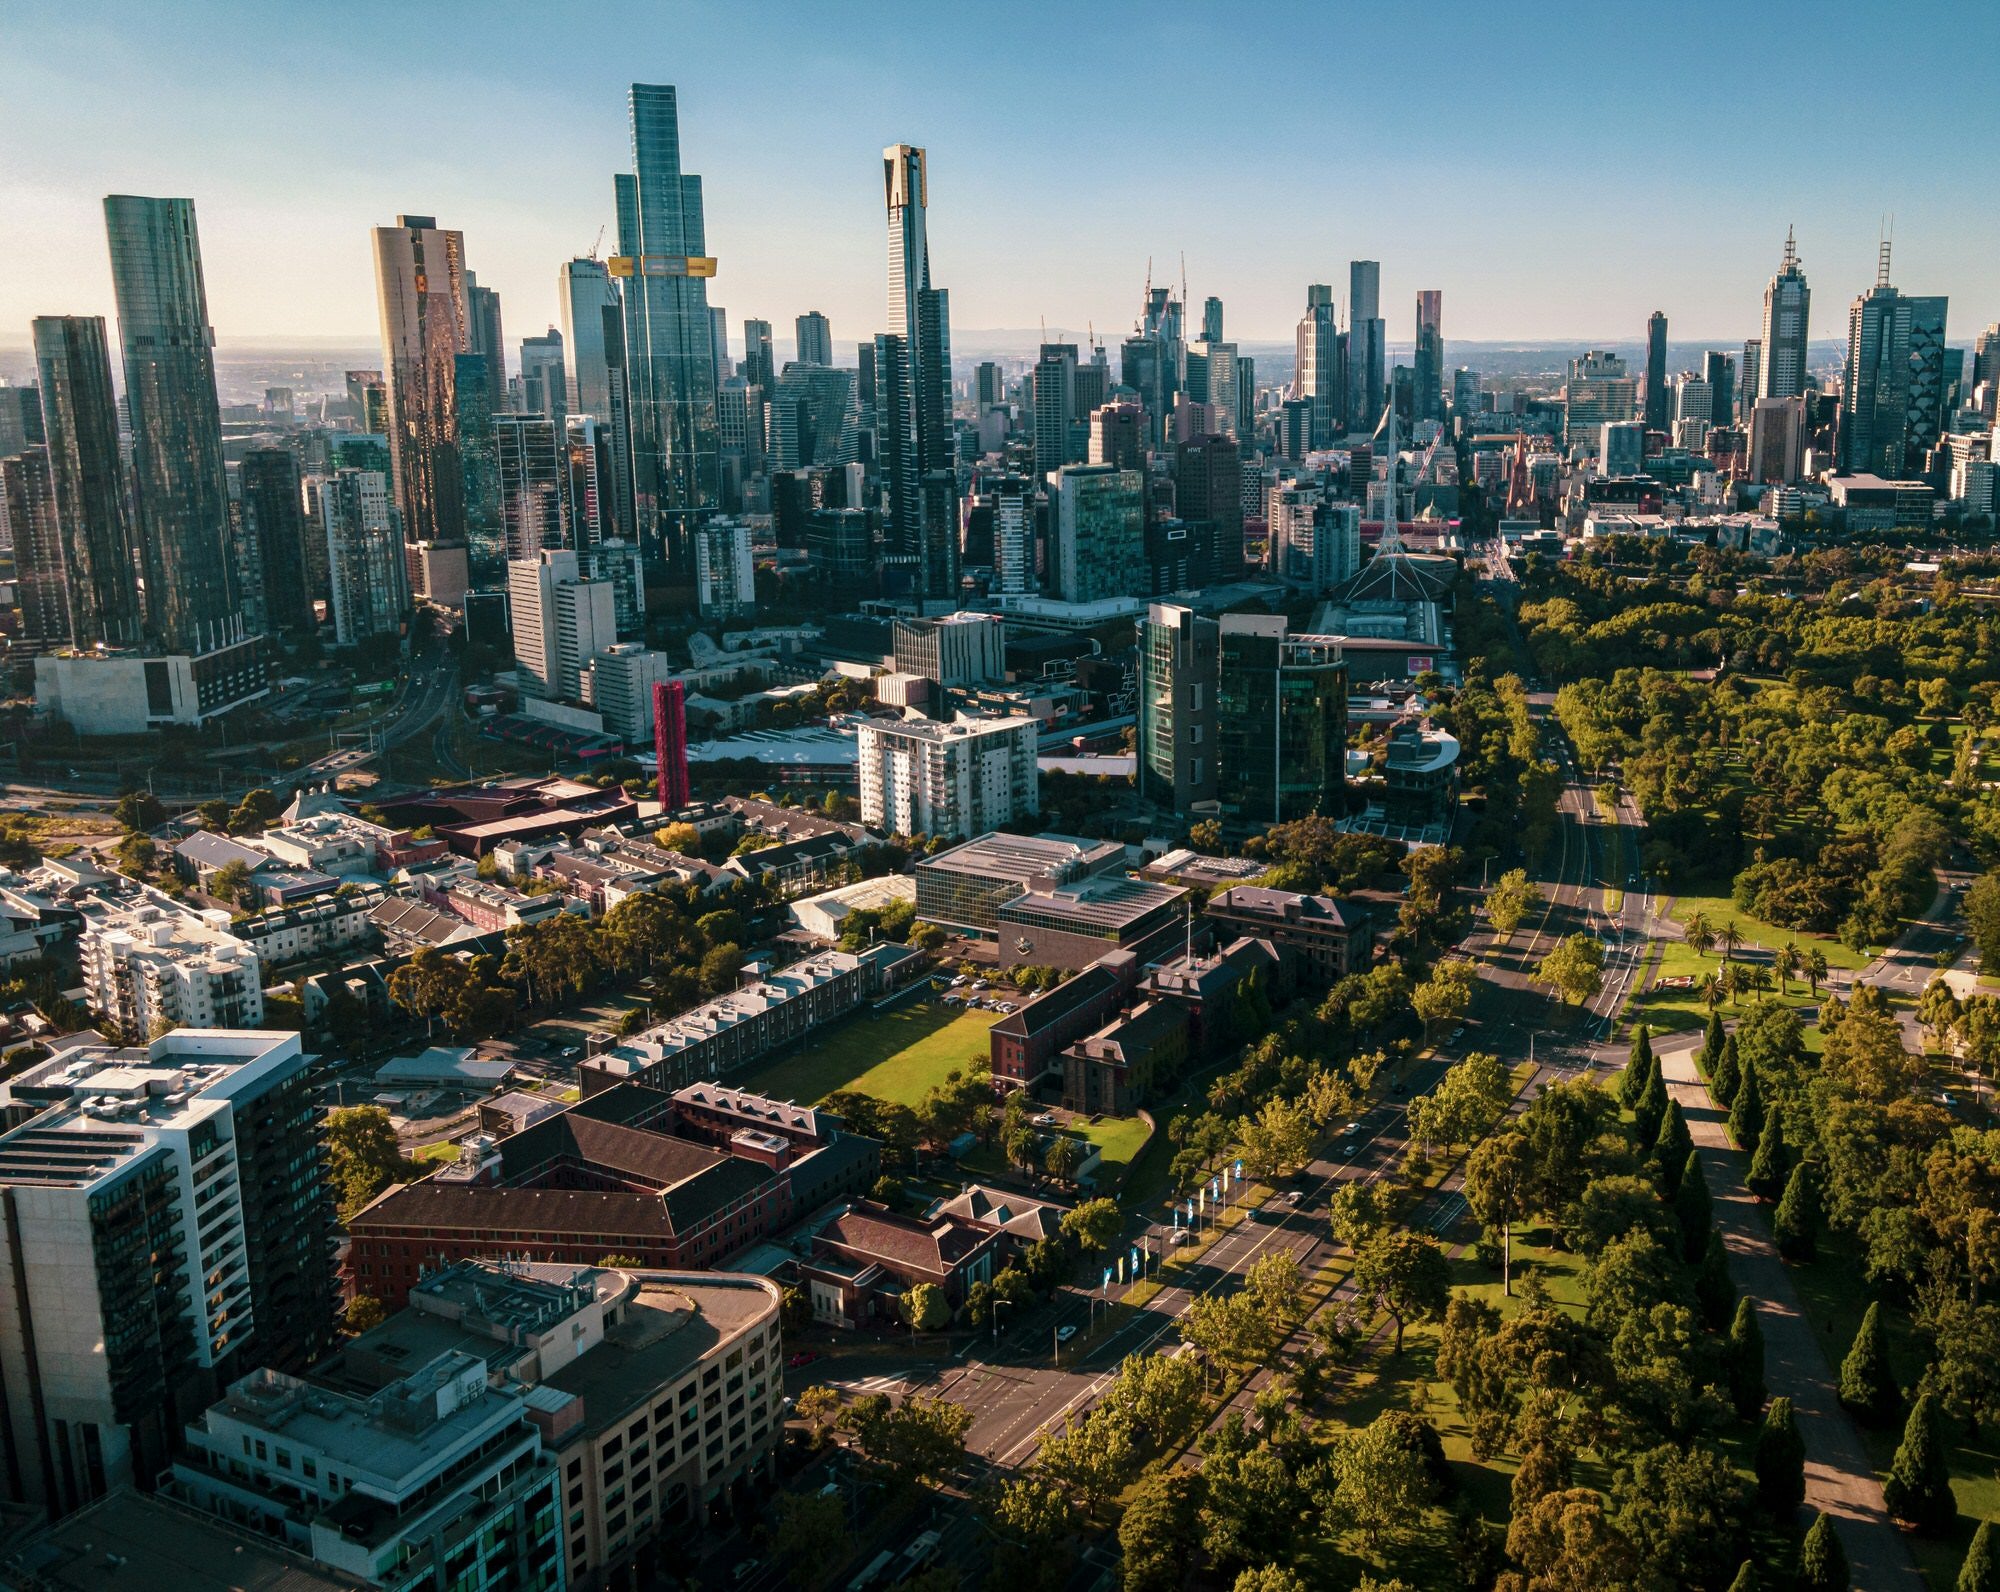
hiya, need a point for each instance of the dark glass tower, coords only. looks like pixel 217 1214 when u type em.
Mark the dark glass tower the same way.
pixel 179 486
pixel 1875 388
pixel 274 519
pixel 41 583
pixel 1655 413
pixel 1429 372
pixel 80 411
pixel 669 334
pixel 1281 722
pixel 920 316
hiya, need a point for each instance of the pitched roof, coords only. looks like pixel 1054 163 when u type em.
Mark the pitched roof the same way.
pixel 1014 1213
pixel 1255 901
pixel 937 1246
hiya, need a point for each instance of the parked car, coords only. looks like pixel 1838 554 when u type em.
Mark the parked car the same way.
pixel 1065 1333
pixel 803 1357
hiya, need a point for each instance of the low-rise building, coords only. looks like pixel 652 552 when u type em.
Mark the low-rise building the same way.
pixel 1019 1219
pixel 316 927
pixel 1116 1069
pixel 822 915
pixel 730 1031
pixel 1025 1043
pixel 867 1256
pixel 1330 938
pixel 794 865
pixel 1223 1010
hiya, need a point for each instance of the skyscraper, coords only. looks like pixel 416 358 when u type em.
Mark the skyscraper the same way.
pixel 1177 665
pixel 920 315
pixel 274 521
pixel 1875 382
pixel 1100 533
pixel 544 380
pixel 179 488
pixel 478 478
pixel 29 520
pixel 1750 378
pixel 1320 381
pixel 1928 381
pixel 1719 371
pixel 587 290
pixel 758 369
pixel 560 621
pixel 669 334
pixel 1367 346
pixel 1655 406
pixel 1429 371
pixel 815 338
pixel 1281 722
pixel 1055 407
pixel 1211 319
pixel 1787 314
pixel 366 568
pixel 420 284
pixel 1014 536
pixel 80 418
pixel 718 325
pixel 484 336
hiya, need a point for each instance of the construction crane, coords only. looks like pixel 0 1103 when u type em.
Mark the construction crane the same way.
pixel 598 244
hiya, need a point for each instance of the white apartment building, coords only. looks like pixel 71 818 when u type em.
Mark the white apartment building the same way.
pixel 965 778
pixel 725 577
pixel 163 1210
pixel 621 684
pixel 146 959
pixel 560 622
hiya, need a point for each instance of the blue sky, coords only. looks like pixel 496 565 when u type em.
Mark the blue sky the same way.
pixel 1558 169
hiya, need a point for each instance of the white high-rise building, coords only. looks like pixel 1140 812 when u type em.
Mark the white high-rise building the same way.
pixel 588 294
pixel 622 678
pixel 1315 544
pixel 560 622
pixel 365 562
pixel 1014 537
pixel 725 577
pixel 963 778
pixel 148 961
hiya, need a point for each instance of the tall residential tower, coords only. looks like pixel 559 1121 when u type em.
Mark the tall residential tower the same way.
pixel 920 321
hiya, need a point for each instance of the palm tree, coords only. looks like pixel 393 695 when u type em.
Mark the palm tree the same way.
pixel 1730 980
pixel 1788 965
pixel 1730 938
pixel 1815 969
pixel 1698 933
pixel 1711 990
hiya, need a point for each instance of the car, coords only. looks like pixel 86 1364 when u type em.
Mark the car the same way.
pixel 1347 1151
pixel 1065 1333
pixel 958 982
pixel 1181 1236
pixel 1046 1120
pixel 1294 1197
pixel 745 1568
pixel 1350 1130
pixel 803 1357
pixel 1457 1034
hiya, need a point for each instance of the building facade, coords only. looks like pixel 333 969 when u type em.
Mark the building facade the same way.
pixel 962 778
pixel 1177 676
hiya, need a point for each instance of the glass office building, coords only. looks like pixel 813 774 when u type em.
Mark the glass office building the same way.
pixel 80 414
pixel 180 490
pixel 1281 723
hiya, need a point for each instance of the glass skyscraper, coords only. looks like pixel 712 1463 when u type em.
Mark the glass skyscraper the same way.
pixel 669 334
pixel 1787 313
pixel 420 283
pixel 1281 722
pixel 920 317
pixel 274 521
pixel 80 413
pixel 1429 377
pixel 180 489
pixel 1875 388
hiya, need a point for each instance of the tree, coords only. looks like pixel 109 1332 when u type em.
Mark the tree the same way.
pixel 1065 1155
pixel 1771 1165
pixel 1780 1461
pixel 1729 937
pixel 1743 1360
pixel 1205 836
pixel 1788 961
pixel 139 810
pixel 363 1313
pixel 1796 1224
pixel 1381 1483
pixel 1159 1532
pixel 1511 899
pixel 1815 969
pixel 1867 1384
pixel 230 883
pixel 1639 1069
pixel 920 1440
pixel 1574 969
pixel 1651 1110
pixel 1727 1079
pixel 1565 1540
pixel 1680 1510
pixel 1672 1146
pixel 924 1308
pixel 1981 905
pixel 819 1407
pixel 1405 1274
pixel 1714 1293
pixel 1693 1210
pixel 808 1535
pixel 427 983
pixel 1268 1578
pixel 1746 1113
pixel 1697 933
pixel 1095 1225
pixel 1918 1487
pixel 363 1157
pixel 1444 997
pixel 1981 1570
pixel 1746 1579
pixel 1499 1178
pixel 1711 1045
pixel 258 810
pixel 1822 1560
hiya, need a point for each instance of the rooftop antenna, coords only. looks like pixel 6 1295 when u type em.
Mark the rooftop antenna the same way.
pixel 1184 291
pixel 1887 243
pixel 1791 248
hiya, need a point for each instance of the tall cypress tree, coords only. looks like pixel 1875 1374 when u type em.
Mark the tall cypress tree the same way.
pixel 1711 1046
pixel 1823 1561
pixel 1672 1146
pixel 1746 1579
pixel 1796 1225
pixel 1651 1109
pixel 1919 1485
pixel 1713 1290
pixel 1743 1359
pixel 1693 1210
pixel 1981 1570
pixel 1746 1112
pixel 1639 1069
pixel 1867 1381
pixel 1781 1461
pixel 1727 1075
pixel 1770 1166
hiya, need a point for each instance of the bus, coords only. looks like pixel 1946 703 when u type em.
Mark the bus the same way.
pixel 922 1549
pixel 875 1574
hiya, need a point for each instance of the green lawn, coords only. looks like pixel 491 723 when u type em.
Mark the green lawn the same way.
pixel 895 1055
pixel 1121 1139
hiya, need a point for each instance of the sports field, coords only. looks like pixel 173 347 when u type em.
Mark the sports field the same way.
pixel 896 1055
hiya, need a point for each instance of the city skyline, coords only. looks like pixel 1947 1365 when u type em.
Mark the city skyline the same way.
pixel 1440 164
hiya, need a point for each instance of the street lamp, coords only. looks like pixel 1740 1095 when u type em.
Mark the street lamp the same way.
pixel 997 1305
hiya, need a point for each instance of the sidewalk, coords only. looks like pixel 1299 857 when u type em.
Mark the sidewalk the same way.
pixel 1840 1478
